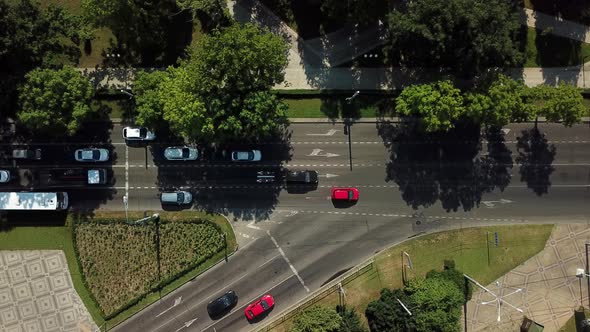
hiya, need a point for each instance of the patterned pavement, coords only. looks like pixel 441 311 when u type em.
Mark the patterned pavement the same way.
pixel 550 288
pixel 37 294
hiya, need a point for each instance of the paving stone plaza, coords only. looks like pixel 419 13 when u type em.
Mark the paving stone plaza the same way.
pixel 37 294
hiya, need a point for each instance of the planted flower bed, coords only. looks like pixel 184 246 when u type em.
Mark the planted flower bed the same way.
pixel 119 261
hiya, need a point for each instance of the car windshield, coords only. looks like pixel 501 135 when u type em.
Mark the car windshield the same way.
pixel 350 194
pixel 142 132
pixel 307 177
pixel 264 304
pixel 185 153
pixel 180 197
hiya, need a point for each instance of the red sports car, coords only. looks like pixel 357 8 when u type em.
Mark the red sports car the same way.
pixel 259 307
pixel 345 194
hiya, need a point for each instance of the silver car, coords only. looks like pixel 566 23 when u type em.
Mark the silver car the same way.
pixel 4 176
pixel 176 198
pixel 252 155
pixel 91 155
pixel 181 153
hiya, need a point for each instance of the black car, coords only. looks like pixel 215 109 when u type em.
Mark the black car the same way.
pixel 305 177
pixel 222 305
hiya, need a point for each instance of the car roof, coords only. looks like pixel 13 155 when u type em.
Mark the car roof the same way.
pixel 341 192
pixel 133 132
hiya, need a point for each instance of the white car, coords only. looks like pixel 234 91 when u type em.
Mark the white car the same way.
pixel 181 153
pixel 4 176
pixel 253 155
pixel 138 134
pixel 91 155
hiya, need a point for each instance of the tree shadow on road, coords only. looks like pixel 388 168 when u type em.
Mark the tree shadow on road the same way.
pixel 445 167
pixel 535 157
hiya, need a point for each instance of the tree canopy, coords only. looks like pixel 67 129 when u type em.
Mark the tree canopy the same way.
pixel 222 91
pixel 561 103
pixel 55 102
pixel 317 319
pixel 467 36
pixel 216 11
pixel 438 105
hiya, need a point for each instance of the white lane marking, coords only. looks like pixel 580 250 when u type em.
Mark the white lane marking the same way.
pixel 186 324
pixel 330 132
pixel 251 225
pixel 318 153
pixel 268 261
pixel 127 172
pixel 176 302
pixel 247 236
pixel 287 260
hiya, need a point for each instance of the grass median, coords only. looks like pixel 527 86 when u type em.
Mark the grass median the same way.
pixel 467 247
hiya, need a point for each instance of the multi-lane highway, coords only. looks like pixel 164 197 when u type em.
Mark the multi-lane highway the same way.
pixel 293 240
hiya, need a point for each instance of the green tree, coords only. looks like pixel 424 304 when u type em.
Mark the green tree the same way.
pixel 505 101
pixel 317 319
pixel 563 102
pixel 216 10
pixel 438 105
pixel 350 320
pixel 468 36
pixel 55 102
pixel 363 12
pixel 222 91
pixel 437 304
pixel 386 314
pixel 237 60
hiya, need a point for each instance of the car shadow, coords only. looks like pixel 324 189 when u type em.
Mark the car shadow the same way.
pixel 343 204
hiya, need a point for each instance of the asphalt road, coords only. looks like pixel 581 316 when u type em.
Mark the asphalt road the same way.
pixel 293 239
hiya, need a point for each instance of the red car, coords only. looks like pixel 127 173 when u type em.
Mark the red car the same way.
pixel 345 194
pixel 259 307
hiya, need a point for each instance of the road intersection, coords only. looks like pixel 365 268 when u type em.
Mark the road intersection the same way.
pixel 292 240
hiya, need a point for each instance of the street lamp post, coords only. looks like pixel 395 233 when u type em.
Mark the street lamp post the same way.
pixel 126 204
pixel 347 128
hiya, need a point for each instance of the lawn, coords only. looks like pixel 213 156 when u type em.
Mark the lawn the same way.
pixel 553 51
pixel 60 238
pixel 335 106
pixel 467 247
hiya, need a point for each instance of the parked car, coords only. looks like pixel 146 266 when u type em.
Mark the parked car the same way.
pixel 253 155
pixel 304 177
pixel 261 306
pixel 26 154
pixel 138 134
pixel 91 155
pixel 181 153
pixel 176 197
pixel 345 194
pixel 222 305
pixel 4 176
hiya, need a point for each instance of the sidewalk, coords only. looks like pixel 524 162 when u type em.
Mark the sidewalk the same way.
pixel 550 288
pixel 556 26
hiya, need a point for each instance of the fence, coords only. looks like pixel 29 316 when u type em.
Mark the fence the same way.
pixel 319 294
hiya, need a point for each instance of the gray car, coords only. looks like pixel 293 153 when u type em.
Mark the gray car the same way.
pixel 181 153
pixel 26 154
pixel 176 198
pixel 91 155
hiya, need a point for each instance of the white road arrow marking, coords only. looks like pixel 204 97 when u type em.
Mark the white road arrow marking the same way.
pixel 327 176
pixel 176 302
pixel 187 324
pixel 329 133
pixel 505 131
pixel 318 153
pixel 491 204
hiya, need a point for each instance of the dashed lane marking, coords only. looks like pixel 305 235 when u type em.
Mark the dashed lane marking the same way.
pixel 287 260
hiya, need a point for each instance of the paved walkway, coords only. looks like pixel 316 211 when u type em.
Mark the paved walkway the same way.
pixel 550 288
pixel 37 294
pixel 311 62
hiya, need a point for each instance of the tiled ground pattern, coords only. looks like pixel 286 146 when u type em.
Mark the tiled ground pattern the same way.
pixel 37 294
pixel 550 288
